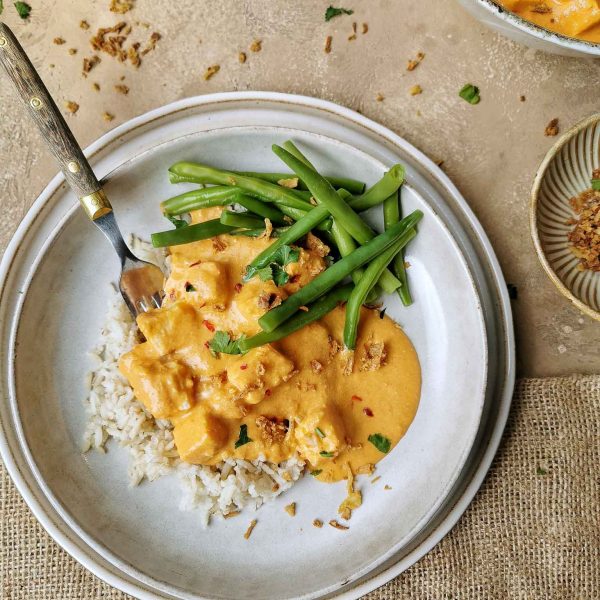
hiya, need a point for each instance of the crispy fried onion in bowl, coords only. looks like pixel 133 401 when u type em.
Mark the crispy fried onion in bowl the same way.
pixel 239 428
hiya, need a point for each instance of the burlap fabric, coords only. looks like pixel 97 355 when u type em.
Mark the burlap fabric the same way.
pixel 533 531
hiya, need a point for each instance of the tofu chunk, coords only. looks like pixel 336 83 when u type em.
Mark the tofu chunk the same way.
pixel 164 387
pixel 199 435
pixel 261 369
pixel 170 328
pixel 321 431
pixel 202 283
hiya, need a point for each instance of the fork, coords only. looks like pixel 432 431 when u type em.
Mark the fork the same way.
pixel 141 282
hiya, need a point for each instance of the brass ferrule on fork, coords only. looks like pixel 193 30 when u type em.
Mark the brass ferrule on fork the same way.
pixel 96 205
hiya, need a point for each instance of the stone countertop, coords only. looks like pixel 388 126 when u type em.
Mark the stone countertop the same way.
pixel 491 151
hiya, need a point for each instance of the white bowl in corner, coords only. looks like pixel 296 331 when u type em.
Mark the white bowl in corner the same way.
pixel 525 32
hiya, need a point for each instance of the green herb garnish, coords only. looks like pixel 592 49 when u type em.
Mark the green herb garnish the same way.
pixel 275 270
pixel 179 223
pixel 243 438
pixel 470 93
pixel 222 343
pixel 316 472
pixel 596 185
pixel 319 432
pixel 23 9
pixel 189 287
pixel 380 442
pixel 336 12
pixel 326 454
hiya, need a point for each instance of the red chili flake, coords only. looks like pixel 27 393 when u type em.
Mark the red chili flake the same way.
pixel 208 325
pixel 294 278
pixel 357 398
pixel 196 263
pixel 268 392
pixel 238 287
pixel 207 345
pixel 243 367
pixel 368 411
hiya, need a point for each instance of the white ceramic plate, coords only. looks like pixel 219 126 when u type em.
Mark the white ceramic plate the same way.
pixel 56 275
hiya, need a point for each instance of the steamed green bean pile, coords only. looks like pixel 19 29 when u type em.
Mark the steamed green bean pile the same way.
pixel 287 207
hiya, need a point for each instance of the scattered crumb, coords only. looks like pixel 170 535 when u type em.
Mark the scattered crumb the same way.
pixel 415 90
pixel 365 28
pixel 72 51
pixel 379 98
pixel 250 528
pixel 90 63
pixel 318 523
pixel 562 349
pixel 375 479
pixel 72 107
pixel 210 71
pixel 133 55
pixel 84 25
pixel 552 128
pixel 337 525
pixel 96 87
pixel 303 308
pixel 121 6
pixel 567 329
pixel 584 239
pixel 328 41
pixel 291 183
pixel 232 514
pixel 387 487
pixel 367 469
pixel 242 57
pixel 122 89
pixel 290 509
pixel 151 44
pixel 108 117
pixel 413 64
pixel 256 46
pixel 52 65
pixel 352 37
pixel 522 98
pixel 58 41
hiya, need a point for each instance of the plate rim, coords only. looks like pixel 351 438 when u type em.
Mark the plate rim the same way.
pixel 503 307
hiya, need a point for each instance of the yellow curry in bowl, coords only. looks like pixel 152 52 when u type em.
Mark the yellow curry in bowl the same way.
pixel 302 396
pixel 574 18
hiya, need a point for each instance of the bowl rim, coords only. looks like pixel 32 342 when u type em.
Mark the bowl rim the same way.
pixel 533 210
pixel 559 39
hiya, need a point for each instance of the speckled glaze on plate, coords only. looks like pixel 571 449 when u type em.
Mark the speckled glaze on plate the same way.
pixel 564 173
pixel 55 282
pixel 525 32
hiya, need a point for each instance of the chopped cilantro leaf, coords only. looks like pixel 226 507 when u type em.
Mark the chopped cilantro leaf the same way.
pixel 380 442
pixel 189 287
pixel 280 276
pixel 265 273
pixel 243 438
pixel 326 454
pixel 23 9
pixel 319 432
pixel 336 12
pixel 275 270
pixel 179 223
pixel 223 343
pixel 470 93
pixel 596 184
pixel 285 255
pixel 316 472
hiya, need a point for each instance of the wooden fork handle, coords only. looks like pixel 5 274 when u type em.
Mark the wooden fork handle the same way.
pixel 52 125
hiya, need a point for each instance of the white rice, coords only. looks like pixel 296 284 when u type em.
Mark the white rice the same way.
pixel 115 413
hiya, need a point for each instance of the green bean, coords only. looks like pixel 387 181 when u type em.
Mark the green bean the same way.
pixel 191 233
pixel 296 214
pixel 384 188
pixel 326 195
pixel 218 195
pixel 241 219
pixel 352 185
pixel 400 232
pixel 295 152
pixel 265 190
pixel 260 208
pixel 335 204
pixel 346 245
pixel 316 311
pixel 392 213
pixel 277 232
pixel 364 286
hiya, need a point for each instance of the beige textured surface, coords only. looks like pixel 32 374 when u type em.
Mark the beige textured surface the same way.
pixel 533 531
pixel 491 151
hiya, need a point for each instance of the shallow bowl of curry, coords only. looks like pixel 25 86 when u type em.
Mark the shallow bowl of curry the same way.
pixel 532 23
pixel 56 283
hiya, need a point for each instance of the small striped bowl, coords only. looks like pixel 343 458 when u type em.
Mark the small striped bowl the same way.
pixel 566 172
